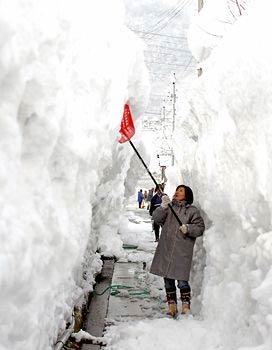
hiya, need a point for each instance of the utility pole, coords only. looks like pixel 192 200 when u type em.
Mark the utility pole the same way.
pixel 200 6
pixel 163 114
pixel 163 176
pixel 174 107
pixel 168 121
pixel 174 114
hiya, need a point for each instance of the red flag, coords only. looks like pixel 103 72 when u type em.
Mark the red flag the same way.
pixel 127 129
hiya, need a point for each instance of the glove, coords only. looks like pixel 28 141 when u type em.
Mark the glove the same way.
pixel 184 229
pixel 165 201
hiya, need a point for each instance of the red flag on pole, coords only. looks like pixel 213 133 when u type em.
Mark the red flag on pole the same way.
pixel 127 129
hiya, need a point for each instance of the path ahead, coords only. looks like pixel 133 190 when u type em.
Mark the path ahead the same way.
pixel 133 293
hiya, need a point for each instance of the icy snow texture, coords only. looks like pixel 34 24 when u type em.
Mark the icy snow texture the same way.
pixel 226 157
pixel 66 69
pixel 64 76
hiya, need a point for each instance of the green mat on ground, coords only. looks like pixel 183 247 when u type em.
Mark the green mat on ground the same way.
pixel 130 246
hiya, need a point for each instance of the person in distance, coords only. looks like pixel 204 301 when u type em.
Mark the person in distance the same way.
pixel 154 204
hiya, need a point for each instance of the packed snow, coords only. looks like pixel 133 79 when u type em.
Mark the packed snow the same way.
pixel 65 77
pixel 67 68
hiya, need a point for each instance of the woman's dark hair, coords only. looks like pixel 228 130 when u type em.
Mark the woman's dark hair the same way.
pixel 189 196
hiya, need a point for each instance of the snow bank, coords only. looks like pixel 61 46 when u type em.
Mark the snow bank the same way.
pixel 226 158
pixel 66 69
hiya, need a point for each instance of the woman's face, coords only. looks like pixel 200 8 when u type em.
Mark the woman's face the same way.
pixel 180 194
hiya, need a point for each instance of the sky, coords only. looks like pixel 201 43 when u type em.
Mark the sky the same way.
pixel 65 180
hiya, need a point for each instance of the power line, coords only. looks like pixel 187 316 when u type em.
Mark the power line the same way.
pixel 167 19
pixel 216 35
pixel 185 70
pixel 155 113
pixel 169 36
pixel 167 64
pixel 168 48
pixel 167 13
pixel 167 53
pixel 173 16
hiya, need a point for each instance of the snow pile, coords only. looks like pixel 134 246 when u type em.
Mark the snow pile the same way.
pixel 226 158
pixel 64 77
pixel 212 23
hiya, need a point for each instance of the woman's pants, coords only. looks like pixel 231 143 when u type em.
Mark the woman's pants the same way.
pixel 157 231
pixel 184 287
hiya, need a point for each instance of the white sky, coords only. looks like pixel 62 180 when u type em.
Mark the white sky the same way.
pixel 66 69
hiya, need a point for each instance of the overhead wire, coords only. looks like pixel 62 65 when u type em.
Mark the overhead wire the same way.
pixel 162 23
pixel 169 10
pixel 167 13
pixel 212 34
pixel 168 64
pixel 168 48
pixel 164 54
pixel 172 12
pixel 185 3
pixel 168 19
pixel 166 16
pixel 158 34
pixel 173 53
pixel 186 68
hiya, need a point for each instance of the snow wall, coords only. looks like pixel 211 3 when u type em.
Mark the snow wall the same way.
pixel 225 155
pixel 66 70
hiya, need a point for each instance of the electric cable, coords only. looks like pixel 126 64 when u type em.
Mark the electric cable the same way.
pixel 170 13
pixel 158 29
pixel 167 64
pixel 169 36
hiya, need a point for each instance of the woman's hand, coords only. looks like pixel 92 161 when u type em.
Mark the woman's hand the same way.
pixel 183 229
pixel 165 201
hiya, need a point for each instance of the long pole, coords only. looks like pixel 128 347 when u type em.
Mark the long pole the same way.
pixel 200 6
pixel 174 118
pixel 154 180
pixel 138 154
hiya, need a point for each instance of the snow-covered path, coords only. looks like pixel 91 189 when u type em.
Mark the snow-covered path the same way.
pixel 145 325
pixel 146 298
pixel 140 322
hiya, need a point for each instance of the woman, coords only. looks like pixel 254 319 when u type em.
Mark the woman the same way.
pixel 173 256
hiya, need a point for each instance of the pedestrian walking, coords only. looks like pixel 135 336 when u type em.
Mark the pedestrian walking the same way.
pixel 145 199
pixel 154 204
pixel 140 198
pixel 173 256
pixel 149 197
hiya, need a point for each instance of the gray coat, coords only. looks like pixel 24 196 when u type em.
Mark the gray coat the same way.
pixel 173 256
